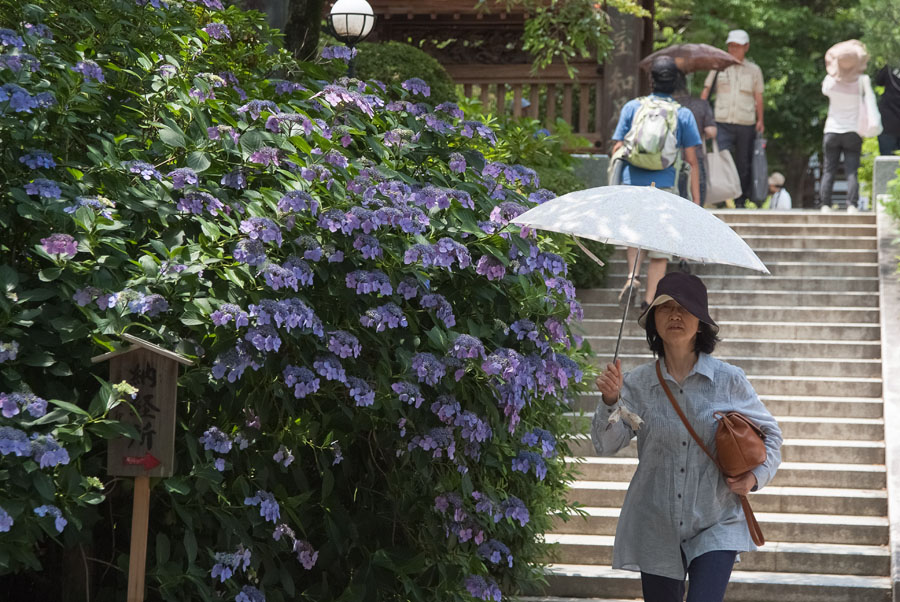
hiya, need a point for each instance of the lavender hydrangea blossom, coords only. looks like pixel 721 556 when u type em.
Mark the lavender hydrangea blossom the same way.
pixel 182 176
pixel 360 391
pixel 365 282
pixel 262 228
pixel 268 506
pixel 60 244
pixel 217 31
pixel 329 367
pixel 494 552
pixel 417 86
pixel 90 70
pixel 483 589
pixel 215 440
pixel 36 159
pixel 44 188
pixel 306 554
pixel 8 351
pixel 250 252
pixel 443 309
pixel 143 169
pixel 303 380
pixel 297 201
pixel 387 316
pixel 408 393
pixel 343 344
pixel 344 53
pixel 466 347
pixel 428 368
pixel 59 521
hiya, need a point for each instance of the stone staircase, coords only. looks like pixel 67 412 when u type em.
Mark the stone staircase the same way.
pixel 808 337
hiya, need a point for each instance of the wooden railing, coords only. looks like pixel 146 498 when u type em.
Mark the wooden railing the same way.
pixel 550 94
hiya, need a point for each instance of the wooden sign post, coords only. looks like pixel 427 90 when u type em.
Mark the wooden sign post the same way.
pixel 153 371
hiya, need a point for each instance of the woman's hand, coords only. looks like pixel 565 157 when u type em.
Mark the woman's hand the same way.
pixel 742 484
pixel 609 383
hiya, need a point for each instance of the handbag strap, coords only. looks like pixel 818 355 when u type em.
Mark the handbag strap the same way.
pixel 755 532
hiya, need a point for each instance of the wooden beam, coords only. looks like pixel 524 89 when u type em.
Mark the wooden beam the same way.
pixel 137 559
pixel 517 100
pixel 584 108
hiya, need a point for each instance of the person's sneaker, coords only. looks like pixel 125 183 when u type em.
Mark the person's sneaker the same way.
pixel 825 209
pixel 852 209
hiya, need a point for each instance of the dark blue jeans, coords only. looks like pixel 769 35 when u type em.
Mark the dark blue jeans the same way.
pixel 708 577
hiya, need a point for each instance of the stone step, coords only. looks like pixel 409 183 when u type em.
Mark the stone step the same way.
pixel 762 313
pixel 794 449
pixel 834 559
pixel 590 582
pixel 804 500
pixel 823 331
pixel 768 255
pixel 779 526
pixel 619 269
pixel 807 216
pixel 790 474
pixel 778 366
pixel 815 386
pixel 745 229
pixel 787 405
pixel 748 297
pixel 772 241
pixel 754 347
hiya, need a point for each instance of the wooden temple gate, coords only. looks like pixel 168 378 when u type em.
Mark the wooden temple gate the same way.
pixel 482 52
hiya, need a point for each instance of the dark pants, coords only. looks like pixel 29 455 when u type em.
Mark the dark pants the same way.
pixel 739 140
pixel 850 144
pixel 708 578
pixel 684 179
pixel 888 143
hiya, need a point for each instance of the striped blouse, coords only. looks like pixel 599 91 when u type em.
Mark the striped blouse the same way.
pixel 678 502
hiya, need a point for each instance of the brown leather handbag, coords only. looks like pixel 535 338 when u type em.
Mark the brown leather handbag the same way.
pixel 740 446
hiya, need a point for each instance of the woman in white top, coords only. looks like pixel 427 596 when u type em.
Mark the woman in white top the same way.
pixel 840 136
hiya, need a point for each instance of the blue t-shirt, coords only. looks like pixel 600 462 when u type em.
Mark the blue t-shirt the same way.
pixel 686 133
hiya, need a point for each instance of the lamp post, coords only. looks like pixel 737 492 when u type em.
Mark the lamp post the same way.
pixel 351 22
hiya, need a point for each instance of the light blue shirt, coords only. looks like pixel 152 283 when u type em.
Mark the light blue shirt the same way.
pixel 678 500
pixel 686 133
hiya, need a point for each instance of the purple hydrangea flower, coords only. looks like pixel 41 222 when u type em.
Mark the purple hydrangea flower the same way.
pixel 47 452
pixel 8 351
pixel 44 188
pixel 144 170
pixel 196 202
pixel 234 179
pixel 471 128
pixel 248 593
pixel 265 155
pixel 14 441
pixel 360 391
pixel 306 555
pixel 386 316
pixel 286 87
pixel 20 101
pixel 268 506
pixel 60 244
pixel 457 163
pixel 368 246
pixel 343 344
pixel 302 379
pixel 490 267
pixel 263 229
pixel 278 277
pixel 217 30
pixel 339 96
pixel 36 159
pixel 283 456
pixel 256 107
pixel 365 282
pixel 526 460
pixel 337 159
pixel 264 338
pixel 228 564
pixel 90 70
pixel 428 368
pixel 417 86
pixel 408 393
pixel 288 313
pixel 215 440
pixel 182 176
pixel 408 288
pixel 250 252
pixel 494 552
pixel 6 521
pixel 483 589
pixel 451 108
pixel 466 346
pixel 18 62
pixel 10 38
pixel 296 201
pixel 443 309
pixel 343 53
pixel 329 367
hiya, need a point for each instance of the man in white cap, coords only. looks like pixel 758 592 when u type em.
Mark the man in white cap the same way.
pixel 738 107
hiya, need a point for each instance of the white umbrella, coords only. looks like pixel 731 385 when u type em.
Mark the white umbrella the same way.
pixel 647 218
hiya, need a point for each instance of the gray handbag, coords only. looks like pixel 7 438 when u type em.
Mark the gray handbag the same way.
pixel 759 171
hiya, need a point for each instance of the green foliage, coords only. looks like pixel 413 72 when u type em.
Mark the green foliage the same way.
pixel 566 29
pixel 190 197
pixel 880 21
pixel 867 166
pixel 395 62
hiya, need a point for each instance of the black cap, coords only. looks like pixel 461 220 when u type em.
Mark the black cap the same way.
pixel 663 70
pixel 688 291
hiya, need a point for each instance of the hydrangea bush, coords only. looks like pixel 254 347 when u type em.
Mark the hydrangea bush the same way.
pixel 383 362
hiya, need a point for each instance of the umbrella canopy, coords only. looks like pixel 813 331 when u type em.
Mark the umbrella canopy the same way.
pixel 693 57
pixel 644 217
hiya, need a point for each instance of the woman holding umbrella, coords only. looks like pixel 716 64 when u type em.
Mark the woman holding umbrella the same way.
pixel 680 516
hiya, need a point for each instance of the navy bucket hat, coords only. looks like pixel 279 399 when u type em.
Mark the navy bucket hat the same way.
pixel 688 291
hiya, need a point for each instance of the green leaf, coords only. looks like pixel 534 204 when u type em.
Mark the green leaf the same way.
pixel 43 484
pixel 198 161
pixel 71 407
pixel 190 546
pixel 178 484
pixel 171 137
pixel 163 549
pixel 49 274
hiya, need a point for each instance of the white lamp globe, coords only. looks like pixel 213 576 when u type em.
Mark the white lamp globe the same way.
pixel 352 20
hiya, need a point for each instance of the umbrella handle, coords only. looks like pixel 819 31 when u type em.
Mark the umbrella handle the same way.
pixel 637 258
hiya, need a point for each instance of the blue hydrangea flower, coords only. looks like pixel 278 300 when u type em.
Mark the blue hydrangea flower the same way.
pixel 215 440
pixel 443 309
pixel 8 351
pixel 265 155
pixel 148 305
pixel 360 391
pixel 18 62
pixel 408 393
pixel 234 179
pixel 483 589
pixel 47 452
pixel 302 379
pixel 36 159
pixel 365 282
pixel 44 188
pixel 515 509
pixel 249 593
pixel 217 30
pixel 408 288
pixel 196 202
pixel 466 347
pixel 490 267
pixel 296 201
pixel 494 552
pixel 256 107
pixel 262 228
pixel 388 315
pixel 59 522
pixel 90 70
pixel 182 176
pixel 6 521
pixel 232 363
pixel 263 338
pixel 329 367
pixel 428 368
pixel 10 38
pixel 344 53
pixel 283 456
pixel 60 244
pixel 250 252
pixel 14 441
pixel 343 344
pixel 457 163
pixel 526 460
pixel 417 86
pixel 268 506
pixel 228 312
pixel 306 554
pixel 144 170
pixel 368 246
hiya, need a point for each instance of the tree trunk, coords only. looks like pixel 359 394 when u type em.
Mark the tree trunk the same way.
pixel 299 20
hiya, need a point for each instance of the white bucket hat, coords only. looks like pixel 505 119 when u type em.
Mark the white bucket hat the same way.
pixel 738 36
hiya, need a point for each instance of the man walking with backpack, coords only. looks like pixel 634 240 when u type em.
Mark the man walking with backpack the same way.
pixel 653 135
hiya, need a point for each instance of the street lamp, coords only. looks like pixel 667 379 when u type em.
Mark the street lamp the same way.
pixel 351 22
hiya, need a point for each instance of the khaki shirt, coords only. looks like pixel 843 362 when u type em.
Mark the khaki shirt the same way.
pixel 735 90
